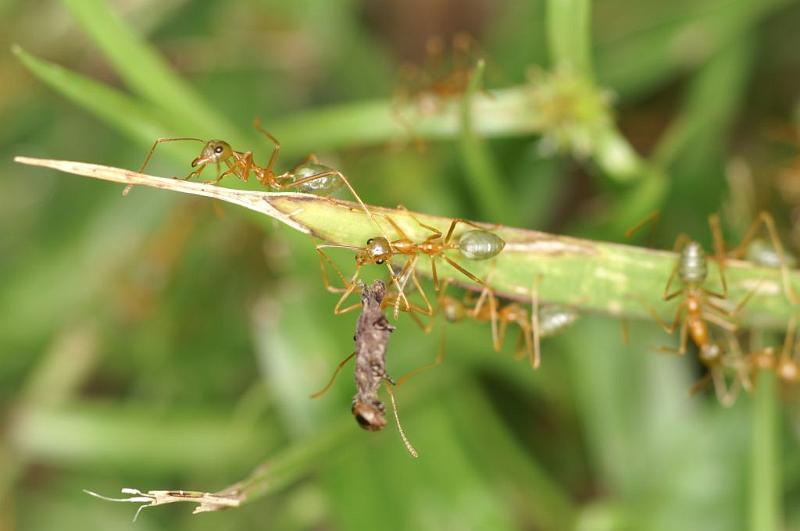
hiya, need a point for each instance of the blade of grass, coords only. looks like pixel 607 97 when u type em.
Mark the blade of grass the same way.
pixel 482 176
pixel 765 492
pixel 589 275
pixel 145 71
pixel 569 35
pixel 110 105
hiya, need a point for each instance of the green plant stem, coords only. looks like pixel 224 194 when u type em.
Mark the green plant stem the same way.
pixel 765 495
pixel 569 35
pixel 482 178
pixel 592 276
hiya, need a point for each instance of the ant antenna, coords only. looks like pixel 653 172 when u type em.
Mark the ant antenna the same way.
pixel 406 442
pixel 152 150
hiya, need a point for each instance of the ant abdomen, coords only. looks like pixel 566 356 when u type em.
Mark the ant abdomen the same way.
pixel 693 264
pixel 480 244
pixel 555 318
pixel 327 182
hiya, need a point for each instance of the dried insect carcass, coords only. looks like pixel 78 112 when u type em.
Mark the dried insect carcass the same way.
pixel 372 337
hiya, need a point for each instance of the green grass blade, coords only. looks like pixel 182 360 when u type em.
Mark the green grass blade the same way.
pixel 146 72
pixel 569 35
pixel 110 105
pixel 765 493
pixel 482 176
pixel 589 275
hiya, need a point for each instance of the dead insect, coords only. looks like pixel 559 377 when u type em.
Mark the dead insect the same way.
pixel 372 337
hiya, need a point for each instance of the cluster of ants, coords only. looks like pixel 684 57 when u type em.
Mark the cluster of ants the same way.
pixel 703 316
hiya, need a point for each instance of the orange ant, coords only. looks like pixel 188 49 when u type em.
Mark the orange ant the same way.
pixel 541 322
pixel 697 306
pixel 757 251
pixel 308 176
pixel 477 244
pixel 786 366
pixel 438 80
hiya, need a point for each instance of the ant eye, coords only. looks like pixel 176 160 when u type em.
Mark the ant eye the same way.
pixel 218 149
pixel 354 337
pixel 369 242
pixel 379 262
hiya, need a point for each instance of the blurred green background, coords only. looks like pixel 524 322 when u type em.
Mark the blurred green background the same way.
pixel 163 342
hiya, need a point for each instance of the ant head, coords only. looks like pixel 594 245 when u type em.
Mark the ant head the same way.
pixel 377 251
pixel 213 151
pixel 369 415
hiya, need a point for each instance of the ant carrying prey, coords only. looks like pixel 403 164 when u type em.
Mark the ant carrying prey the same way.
pixel 479 244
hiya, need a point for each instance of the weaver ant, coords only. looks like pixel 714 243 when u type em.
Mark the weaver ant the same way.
pixel 758 251
pixel 438 80
pixel 698 305
pixel 541 322
pixel 786 366
pixel 477 244
pixel 308 176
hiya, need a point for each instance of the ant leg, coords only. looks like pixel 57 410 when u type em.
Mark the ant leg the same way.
pixel 739 307
pixel 500 340
pixel 152 150
pixel 435 233
pixel 789 339
pixel 650 218
pixel 428 310
pixel 719 250
pixel 725 396
pixel 195 173
pixel 349 285
pixel 434 275
pixel 435 363
pixel 339 367
pixel 341 177
pixel 537 354
pixel 669 329
pixel 472 277
pixel 764 218
pixel 323 257
pixel 408 269
pixel 680 242
pixel 626 334
pixel 406 442
pixel 277 145
pixel 700 384
pixel 719 321
pixel 455 223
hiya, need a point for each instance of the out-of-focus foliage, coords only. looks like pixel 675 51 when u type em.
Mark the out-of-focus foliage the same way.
pixel 159 342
